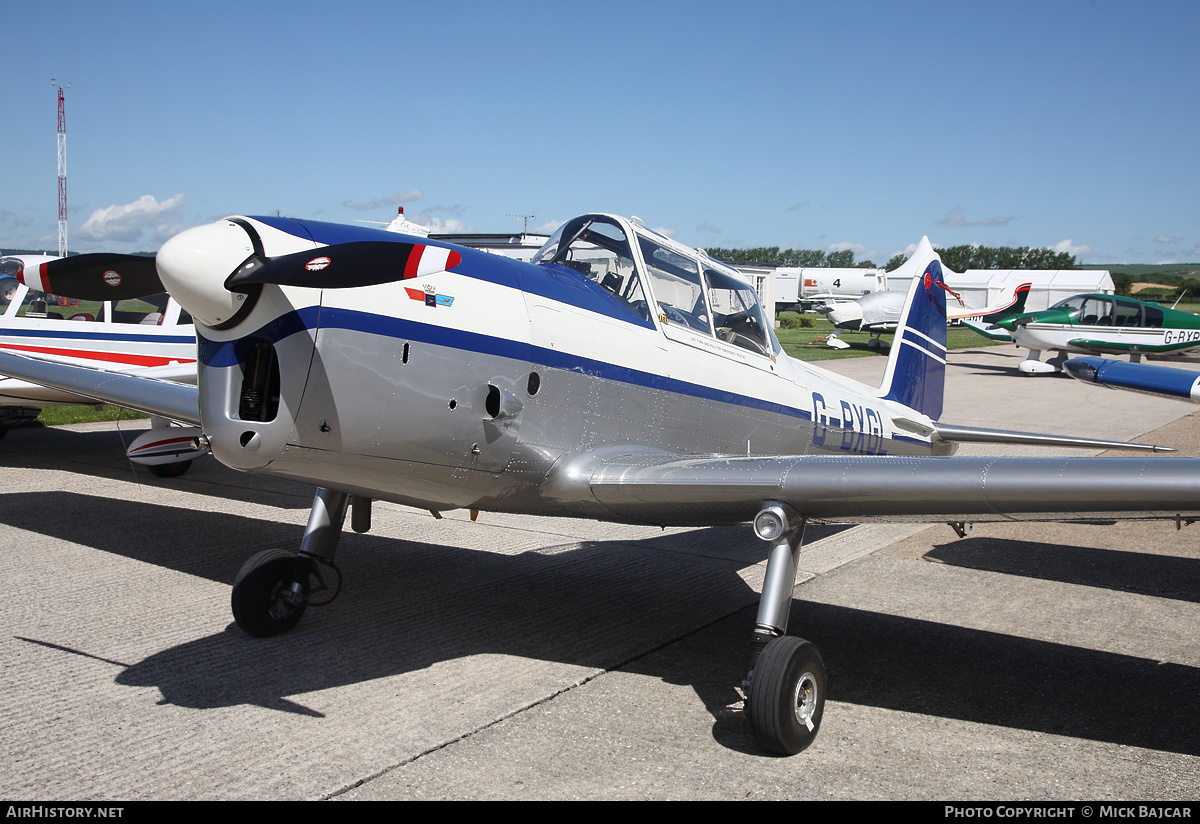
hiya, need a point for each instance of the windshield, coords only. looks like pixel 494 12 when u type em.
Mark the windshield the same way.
pixel 675 282
pixel 737 313
pixel 598 249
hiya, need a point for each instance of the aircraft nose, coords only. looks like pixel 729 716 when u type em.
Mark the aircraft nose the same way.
pixel 194 264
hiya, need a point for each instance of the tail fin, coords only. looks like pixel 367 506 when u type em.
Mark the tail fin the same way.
pixel 1017 307
pixel 916 368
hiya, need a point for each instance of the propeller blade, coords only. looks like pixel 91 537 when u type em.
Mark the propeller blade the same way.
pixel 98 276
pixel 347 265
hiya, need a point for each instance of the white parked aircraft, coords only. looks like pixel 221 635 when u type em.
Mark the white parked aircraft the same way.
pixel 619 376
pixel 144 335
pixel 879 312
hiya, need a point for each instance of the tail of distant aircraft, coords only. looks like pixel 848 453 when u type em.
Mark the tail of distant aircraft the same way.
pixel 1017 307
pixel 986 324
pixel 916 368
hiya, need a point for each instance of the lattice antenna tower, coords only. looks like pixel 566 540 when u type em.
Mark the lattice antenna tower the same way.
pixel 62 169
pixel 526 218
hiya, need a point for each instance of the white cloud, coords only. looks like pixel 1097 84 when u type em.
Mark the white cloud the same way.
pixel 841 247
pixel 955 220
pixel 128 222
pixel 394 199
pixel 548 228
pixel 664 231
pixel 439 226
pixel 860 252
pixel 1070 248
pixel 1165 239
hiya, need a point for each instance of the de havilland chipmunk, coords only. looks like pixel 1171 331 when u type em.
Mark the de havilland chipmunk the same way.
pixel 619 376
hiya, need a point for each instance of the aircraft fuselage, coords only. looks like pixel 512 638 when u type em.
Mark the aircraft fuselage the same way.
pixel 468 388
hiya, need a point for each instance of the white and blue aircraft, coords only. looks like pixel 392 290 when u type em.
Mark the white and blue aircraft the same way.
pixel 618 376
pixel 147 335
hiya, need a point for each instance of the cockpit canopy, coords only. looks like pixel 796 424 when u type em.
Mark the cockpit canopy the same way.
pixel 1108 310
pixel 658 279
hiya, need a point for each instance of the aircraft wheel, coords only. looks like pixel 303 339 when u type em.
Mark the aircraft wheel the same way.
pixel 258 598
pixel 170 470
pixel 787 695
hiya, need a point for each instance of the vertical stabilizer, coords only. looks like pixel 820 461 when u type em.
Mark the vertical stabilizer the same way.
pixel 916 369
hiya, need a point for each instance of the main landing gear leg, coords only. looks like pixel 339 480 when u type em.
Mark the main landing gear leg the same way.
pixel 271 590
pixel 785 696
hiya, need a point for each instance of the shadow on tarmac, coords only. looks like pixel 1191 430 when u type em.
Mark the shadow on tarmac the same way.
pixel 101 454
pixel 1162 576
pixel 407 605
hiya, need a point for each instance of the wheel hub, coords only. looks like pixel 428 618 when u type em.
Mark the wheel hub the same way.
pixel 804 700
pixel 285 599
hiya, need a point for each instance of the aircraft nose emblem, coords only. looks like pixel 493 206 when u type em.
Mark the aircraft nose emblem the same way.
pixel 112 278
pixel 317 264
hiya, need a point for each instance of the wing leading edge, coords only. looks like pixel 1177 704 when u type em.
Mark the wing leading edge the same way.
pixel 672 491
pixel 177 401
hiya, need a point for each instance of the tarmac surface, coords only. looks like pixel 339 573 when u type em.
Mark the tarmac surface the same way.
pixel 520 657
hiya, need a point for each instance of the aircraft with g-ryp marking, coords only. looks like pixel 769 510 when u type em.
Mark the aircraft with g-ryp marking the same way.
pixel 1103 325
pixel 618 376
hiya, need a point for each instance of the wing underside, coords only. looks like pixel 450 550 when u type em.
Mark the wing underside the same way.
pixel 668 490
pixel 170 399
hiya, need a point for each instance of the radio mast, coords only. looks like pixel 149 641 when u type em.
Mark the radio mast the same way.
pixel 62 170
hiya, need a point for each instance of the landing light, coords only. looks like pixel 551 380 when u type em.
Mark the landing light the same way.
pixel 771 523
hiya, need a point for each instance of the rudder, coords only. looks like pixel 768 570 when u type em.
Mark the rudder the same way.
pixel 916 368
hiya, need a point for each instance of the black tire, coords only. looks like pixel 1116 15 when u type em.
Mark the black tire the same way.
pixel 787 696
pixel 256 594
pixel 171 470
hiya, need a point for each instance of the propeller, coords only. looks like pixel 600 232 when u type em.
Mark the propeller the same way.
pixel 98 276
pixel 346 265
pixel 109 276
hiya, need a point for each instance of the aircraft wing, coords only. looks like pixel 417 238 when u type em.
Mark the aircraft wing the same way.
pixel 145 393
pixel 668 490
pixel 986 330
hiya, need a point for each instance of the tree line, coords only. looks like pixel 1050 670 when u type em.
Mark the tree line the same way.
pixel 774 256
pixel 969 256
pixel 958 258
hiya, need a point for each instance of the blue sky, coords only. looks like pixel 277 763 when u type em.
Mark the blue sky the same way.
pixel 1063 123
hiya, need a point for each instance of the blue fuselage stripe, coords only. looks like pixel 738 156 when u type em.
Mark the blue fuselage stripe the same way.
pixel 230 353
pixel 113 336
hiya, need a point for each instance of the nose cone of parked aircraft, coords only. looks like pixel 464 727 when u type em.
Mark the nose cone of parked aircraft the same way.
pixel 194 265
pixel 1009 324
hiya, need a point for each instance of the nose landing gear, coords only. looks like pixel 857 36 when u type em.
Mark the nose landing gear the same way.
pixel 273 588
